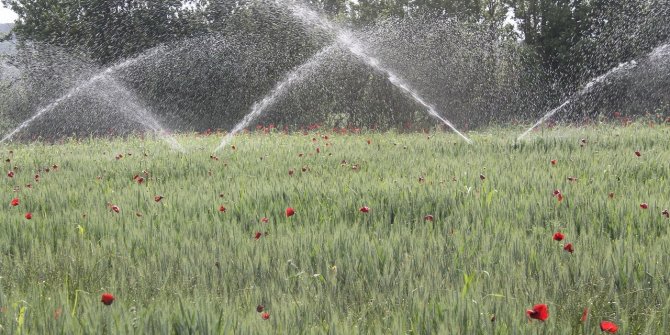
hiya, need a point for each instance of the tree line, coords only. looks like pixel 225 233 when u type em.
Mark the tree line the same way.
pixel 509 56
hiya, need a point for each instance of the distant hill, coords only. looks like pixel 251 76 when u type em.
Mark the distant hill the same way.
pixel 6 47
pixel 5 27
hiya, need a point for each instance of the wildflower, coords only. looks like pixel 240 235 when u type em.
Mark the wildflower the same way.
pixel 364 209
pixel 539 312
pixel 428 218
pixel 29 216
pixel 585 315
pixel 260 308
pixel 107 299
pixel 558 236
pixel 569 248
pixel 265 315
pixel 608 326
pixel 222 209
pixel 644 205
pixel 14 202
pixel 290 212
pixel 158 198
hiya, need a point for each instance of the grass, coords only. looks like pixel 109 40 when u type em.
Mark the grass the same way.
pixel 182 266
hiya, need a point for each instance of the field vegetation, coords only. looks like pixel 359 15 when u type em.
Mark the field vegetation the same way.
pixel 390 234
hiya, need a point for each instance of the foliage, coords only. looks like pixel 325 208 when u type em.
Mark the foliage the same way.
pixel 483 71
pixel 181 265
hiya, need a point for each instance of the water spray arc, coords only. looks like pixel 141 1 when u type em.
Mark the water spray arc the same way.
pixel 657 52
pixel 349 42
pixel 293 77
pixel 134 109
pixel 148 120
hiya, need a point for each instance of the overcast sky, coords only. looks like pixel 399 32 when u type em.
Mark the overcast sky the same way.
pixel 6 15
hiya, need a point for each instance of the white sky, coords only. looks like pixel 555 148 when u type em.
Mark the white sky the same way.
pixel 6 15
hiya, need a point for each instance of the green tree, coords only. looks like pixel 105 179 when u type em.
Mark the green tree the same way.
pixel 105 30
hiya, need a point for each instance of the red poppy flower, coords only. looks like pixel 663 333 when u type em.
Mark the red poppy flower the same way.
pixel 644 205
pixel 260 308
pixel 554 162
pixel 222 209
pixel 265 315
pixel 291 172
pixel 364 209
pixel 107 299
pixel 611 195
pixel 265 220
pixel 559 197
pixel 608 326
pixel 638 153
pixel 140 180
pixel 318 150
pixel 482 177
pixel 428 218
pixel 258 235
pixel 10 174
pixel 585 314
pixel 569 248
pixel 665 213
pixel 558 236
pixel 539 312
pixel 290 212
pixel 14 202
pixel 116 208
pixel 158 198
pixel 29 216
pixel 556 192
